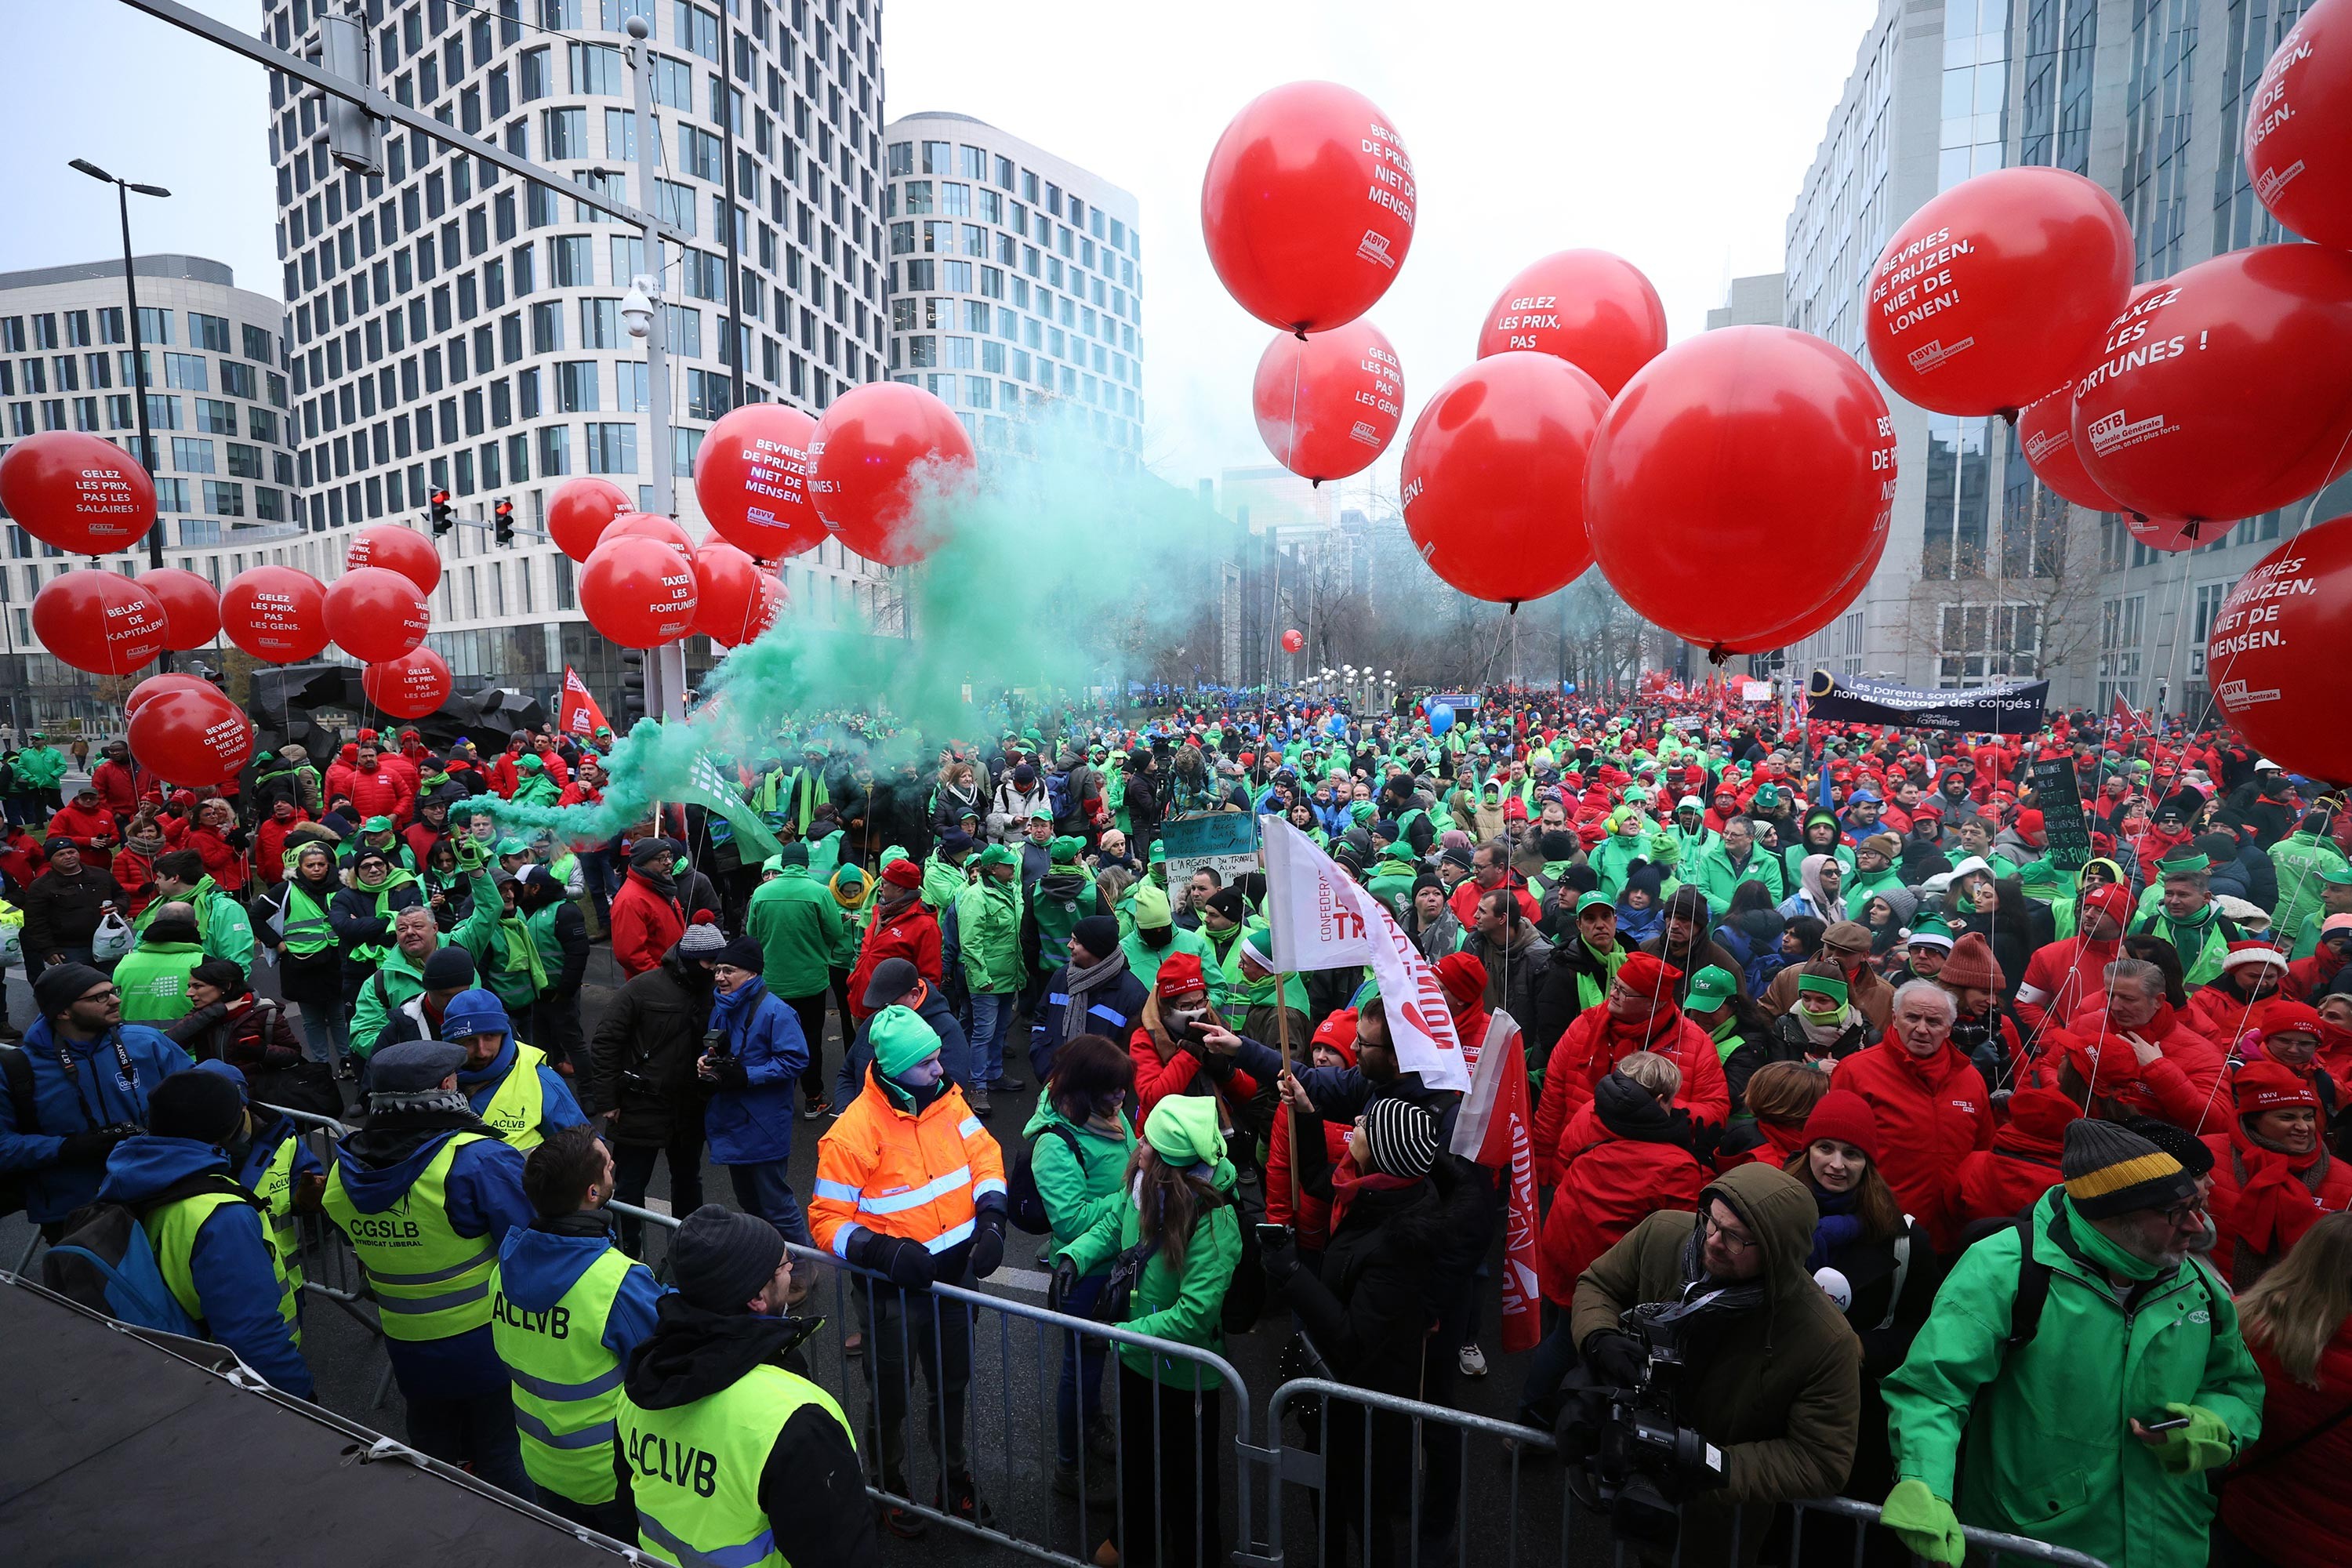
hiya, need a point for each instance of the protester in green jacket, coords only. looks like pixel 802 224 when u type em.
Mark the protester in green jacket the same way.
pixel 2302 861
pixel 153 975
pixel 399 975
pixel 223 928
pixel 1614 856
pixel 797 923
pixel 532 786
pixel 2135 1330
pixel 1156 935
pixel 40 767
pixel 1874 871
pixel 1733 859
pixel 987 924
pixel 1392 876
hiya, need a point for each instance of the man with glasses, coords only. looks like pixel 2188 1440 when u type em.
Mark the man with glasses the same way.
pixel 86 1076
pixel 2096 1370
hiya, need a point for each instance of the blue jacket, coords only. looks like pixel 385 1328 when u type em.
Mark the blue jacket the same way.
pixel 1114 1012
pixel 537 1266
pixel 557 1106
pixel 104 1098
pixel 270 1130
pixel 753 1125
pixel 955 1050
pixel 230 1262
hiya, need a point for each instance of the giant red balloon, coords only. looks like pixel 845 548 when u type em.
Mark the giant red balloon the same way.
pixel 402 550
pixel 2227 393
pixel 2279 656
pixel 156 685
pixel 885 453
pixel 99 621
pixel 736 598
pixel 580 510
pixel 276 614
pixel 2045 433
pixel 1765 449
pixel 1292 640
pixel 409 687
pixel 191 607
pixel 1328 406
pixel 1493 477
pixel 1996 290
pixel 650 525
pixel 84 495
pixel 2299 127
pixel 638 592
pixel 1818 619
pixel 1309 206
pixel 1593 309
pixel 375 614
pixel 193 738
pixel 751 473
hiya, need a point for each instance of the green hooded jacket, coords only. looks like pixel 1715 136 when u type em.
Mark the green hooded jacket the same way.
pixel 1392 877
pixel 987 926
pixel 1718 879
pixel 153 979
pixel 797 922
pixel 1077 1189
pixel 2300 859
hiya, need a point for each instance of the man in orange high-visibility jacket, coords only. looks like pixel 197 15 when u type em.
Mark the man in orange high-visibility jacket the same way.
pixel 911 1187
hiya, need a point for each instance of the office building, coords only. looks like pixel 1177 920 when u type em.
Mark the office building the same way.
pixel 1016 284
pixel 1755 302
pixel 1987 576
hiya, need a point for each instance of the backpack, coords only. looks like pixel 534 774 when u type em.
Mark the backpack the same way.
pixel 17 1068
pixel 1057 799
pixel 105 1262
pixel 1024 1206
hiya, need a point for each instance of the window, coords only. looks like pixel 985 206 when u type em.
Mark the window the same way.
pixel 224 497
pixel 917 194
pixel 697 29
pixel 535 83
pixel 237 378
pixel 244 461
pixel 621 133
pixel 186 372
pixel 205 331
pixel 938 158
pixel 701 154
pixel 546 327
pixel 575 386
pixel 568 262
pixel 629 387
pixel 596 71
pixel 612 448
pixel 216 418
pixel 192 455
pixel 600 323
pixel 555 450
pixel 684 325
pixel 709 394
pixel 673 84
pixel 566 131
pixel 2121 622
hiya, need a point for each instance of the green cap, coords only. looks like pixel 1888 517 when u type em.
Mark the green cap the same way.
pixel 1711 988
pixel 773 864
pixel 998 855
pixel 2341 876
pixel 512 846
pixel 1042 812
pixel 1595 899
pixel 1158 856
pixel 901 1039
pixel 376 824
pixel 1065 849
pixel 529 763
pixel 1823 985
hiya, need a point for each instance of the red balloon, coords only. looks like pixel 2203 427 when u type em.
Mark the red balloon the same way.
pixel 580 510
pixel 735 597
pixel 1593 309
pixel 2299 127
pixel 1756 445
pixel 99 621
pixel 2045 432
pixel 1309 206
pixel 1292 640
pixel 84 495
pixel 1493 477
pixel 1818 619
pixel 882 453
pixel 647 525
pixel 193 738
pixel 751 474
pixel 191 607
pixel 1995 291
pixel 2228 392
pixel 1328 406
pixel 409 687
pixel 402 550
pixel 2279 656
pixel 156 685
pixel 637 592
pixel 276 614
pixel 375 615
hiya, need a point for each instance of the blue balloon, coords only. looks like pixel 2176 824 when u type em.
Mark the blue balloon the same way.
pixel 1336 725
pixel 1440 718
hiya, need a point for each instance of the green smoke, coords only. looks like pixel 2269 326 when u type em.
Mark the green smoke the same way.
pixel 1060 572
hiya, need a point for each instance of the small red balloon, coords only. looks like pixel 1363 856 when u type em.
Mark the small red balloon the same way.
pixel 579 512
pixel 2299 127
pixel 2227 393
pixel 191 607
pixel 647 525
pixel 885 454
pixel 1593 309
pixel 638 592
pixel 276 614
pixel 99 621
pixel 736 598
pixel 1292 640
pixel 84 495
pixel 1494 476
pixel 2279 656
pixel 192 737
pixel 409 687
pixel 1757 445
pixel 1309 206
pixel 751 473
pixel 400 550
pixel 156 685
pixel 1328 406
pixel 376 613
pixel 1996 290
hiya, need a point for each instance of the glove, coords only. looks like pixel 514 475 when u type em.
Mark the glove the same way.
pixel 1280 1262
pixel 1064 1282
pixel 1617 1359
pixel 2204 1443
pixel 730 1073
pixel 1924 1522
pixel 89 1148
pixel 906 1262
pixel 469 852
pixel 988 1245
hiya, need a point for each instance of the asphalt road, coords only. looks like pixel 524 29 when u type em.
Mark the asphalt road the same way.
pixel 1514 1509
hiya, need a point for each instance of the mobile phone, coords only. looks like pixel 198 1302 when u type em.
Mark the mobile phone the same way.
pixel 1273 1235
pixel 2173 1424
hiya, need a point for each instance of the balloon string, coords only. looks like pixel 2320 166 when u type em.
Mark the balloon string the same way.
pixel 2333 467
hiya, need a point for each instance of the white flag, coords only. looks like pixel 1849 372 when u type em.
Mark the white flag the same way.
pixel 1309 904
pixel 1420 1017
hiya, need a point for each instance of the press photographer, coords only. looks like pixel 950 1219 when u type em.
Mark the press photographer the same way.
pixel 1745 1380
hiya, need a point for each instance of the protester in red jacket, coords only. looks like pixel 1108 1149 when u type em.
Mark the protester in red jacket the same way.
pixel 1169 1055
pixel 1930 1101
pixel 1625 1156
pixel 647 919
pixel 269 840
pixel 1639 1013
pixel 2063 976
pixel 373 789
pixel 2022 1164
pixel 2286 1493
pixel 118 783
pixel 1489 869
pixel 220 843
pixel 2273 1175
pixel 134 863
pixel 1778 1097
pixel 2130 1049
pixel 1334 1047
pixel 85 822
pixel 902 926
pixel 503 772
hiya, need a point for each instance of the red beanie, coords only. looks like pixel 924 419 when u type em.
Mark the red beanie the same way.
pixel 2029 828
pixel 1846 1116
pixel 2110 900
pixel 1463 975
pixel 1179 976
pixel 903 873
pixel 1339 1032
pixel 2042 1112
pixel 2280 1016
pixel 2272 1085
pixel 1647 974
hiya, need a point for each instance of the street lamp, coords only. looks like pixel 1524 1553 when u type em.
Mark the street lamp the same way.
pixel 122 189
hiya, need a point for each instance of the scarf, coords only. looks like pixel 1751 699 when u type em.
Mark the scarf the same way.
pixel 1082 983
pixel 1825 1034
pixel 728 1009
pixel 517 937
pixel 1839 1226
pixel 2276 1199
pixel 1620 1038
pixel 452 1101
pixel 1348 1183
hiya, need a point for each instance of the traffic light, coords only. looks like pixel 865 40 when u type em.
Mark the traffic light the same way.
pixel 504 512
pixel 633 690
pixel 445 515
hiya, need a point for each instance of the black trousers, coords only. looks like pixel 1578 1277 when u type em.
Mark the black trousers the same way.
pixel 633 1172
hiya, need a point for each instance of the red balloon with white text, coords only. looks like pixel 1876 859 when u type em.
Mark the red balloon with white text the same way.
pixel 736 598
pixel 2298 144
pixel 1593 309
pixel 1328 406
pixel 581 510
pixel 191 738
pixel 638 592
pixel 191 607
pixel 84 495
pixel 751 473
pixel 376 613
pixel 276 614
pixel 2279 655
pixel 409 687
pixel 1292 640
pixel 888 460
pixel 400 550
pixel 99 621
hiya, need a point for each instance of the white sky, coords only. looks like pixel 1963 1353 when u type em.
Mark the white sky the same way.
pixel 1672 132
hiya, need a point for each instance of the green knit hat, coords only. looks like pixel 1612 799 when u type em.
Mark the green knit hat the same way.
pixel 1152 913
pixel 1822 985
pixel 902 1040
pixel 1183 1129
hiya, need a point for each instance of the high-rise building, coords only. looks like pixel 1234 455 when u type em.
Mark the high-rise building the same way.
pixel 454 327
pixel 217 411
pixel 1754 302
pixel 1987 574
pixel 1016 283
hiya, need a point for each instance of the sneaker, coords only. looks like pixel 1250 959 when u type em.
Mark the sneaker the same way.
pixel 816 1110
pixel 960 1500
pixel 1102 1439
pixel 1472 1361
pixel 902 1521
pixel 978 1103
pixel 1101 1485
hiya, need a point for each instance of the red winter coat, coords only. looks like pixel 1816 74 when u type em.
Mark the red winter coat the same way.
pixel 2320 1183
pixel 503 774
pixel 1930 1115
pixel 2022 1164
pixel 380 792
pixel 1607 1185
pixel 1464 900
pixel 2063 977
pixel 2219 1016
pixel 270 846
pixel 911 933
pixel 23 858
pixel 90 829
pixel 1586 1054
pixel 1163 1068
pixel 2183 1087
pixel 2307 977
pixel 2298 1509
pixel 645 925
pixel 135 874
pixel 223 863
pixel 117 786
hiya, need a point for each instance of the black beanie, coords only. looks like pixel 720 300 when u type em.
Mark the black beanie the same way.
pixel 203 1106
pixel 720 1259
pixel 1099 934
pixel 1425 880
pixel 60 984
pixel 450 968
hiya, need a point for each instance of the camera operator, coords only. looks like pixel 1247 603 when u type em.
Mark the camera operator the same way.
pixel 1768 1371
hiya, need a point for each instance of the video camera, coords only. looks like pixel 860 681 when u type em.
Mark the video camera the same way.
pixel 1629 1453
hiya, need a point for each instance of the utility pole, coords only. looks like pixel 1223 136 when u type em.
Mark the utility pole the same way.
pixel 147 460
pixel 726 108
pixel 665 669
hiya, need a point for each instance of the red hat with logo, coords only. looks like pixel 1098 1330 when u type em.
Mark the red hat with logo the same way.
pixel 2272 1085
pixel 1463 975
pixel 1181 976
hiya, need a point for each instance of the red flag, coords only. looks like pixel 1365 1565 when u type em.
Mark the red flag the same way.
pixel 2123 714
pixel 1495 1128
pixel 578 714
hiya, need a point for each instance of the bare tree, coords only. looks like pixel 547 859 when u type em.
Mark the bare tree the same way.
pixel 2019 609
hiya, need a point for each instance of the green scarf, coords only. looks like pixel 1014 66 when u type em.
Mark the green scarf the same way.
pixel 2093 1247
pixel 516 935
